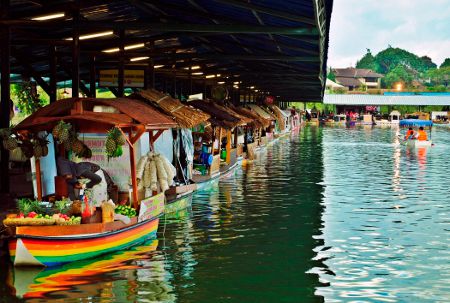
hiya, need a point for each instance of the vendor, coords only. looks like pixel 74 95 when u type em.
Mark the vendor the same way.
pixel 422 135
pixel 72 171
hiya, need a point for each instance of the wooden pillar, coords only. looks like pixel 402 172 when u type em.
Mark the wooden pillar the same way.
pixel 213 140
pixel 133 175
pixel 236 137
pixel 121 76
pixel 92 80
pixel 204 89
pixel 228 147
pixel 190 78
pixel 150 75
pixel 5 48
pixel 75 54
pixel 37 163
pixel 52 64
pixel 220 140
pixel 174 83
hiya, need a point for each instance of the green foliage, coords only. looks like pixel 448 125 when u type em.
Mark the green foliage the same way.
pixel 446 63
pixel 398 75
pixel 27 100
pixel 368 62
pixel 439 77
pixel 391 57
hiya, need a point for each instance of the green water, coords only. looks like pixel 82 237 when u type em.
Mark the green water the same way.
pixel 327 215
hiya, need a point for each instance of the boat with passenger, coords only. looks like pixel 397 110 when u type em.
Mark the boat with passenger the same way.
pixel 419 139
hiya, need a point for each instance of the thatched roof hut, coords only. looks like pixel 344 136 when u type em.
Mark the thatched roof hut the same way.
pixel 185 115
pixel 220 115
pixel 91 114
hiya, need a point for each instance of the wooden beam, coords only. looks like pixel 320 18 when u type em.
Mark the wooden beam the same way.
pixel 268 11
pixel 5 38
pixel 75 54
pixel 92 79
pixel 53 68
pixel 121 67
pixel 29 70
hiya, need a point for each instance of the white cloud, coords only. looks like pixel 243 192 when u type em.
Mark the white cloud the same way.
pixel 422 27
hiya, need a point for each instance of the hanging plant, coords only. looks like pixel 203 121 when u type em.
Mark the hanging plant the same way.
pixel 28 100
pixel 114 142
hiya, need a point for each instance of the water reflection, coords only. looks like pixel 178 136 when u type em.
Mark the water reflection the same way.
pixel 112 278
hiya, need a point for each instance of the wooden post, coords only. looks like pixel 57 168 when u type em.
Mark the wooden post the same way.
pixel 37 163
pixel 220 140
pixel 121 76
pixel 52 61
pixel 150 74
pixel 5 48
pixel 92 82
pixel 133 174
pixel 228 147
pixel 236 137
pixel 213 140
pixel 75 55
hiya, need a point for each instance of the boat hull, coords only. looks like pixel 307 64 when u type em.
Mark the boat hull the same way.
pixel 417 143
pixel 179 204
pixel 38 250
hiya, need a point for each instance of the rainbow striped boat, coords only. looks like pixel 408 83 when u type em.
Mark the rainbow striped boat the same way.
pixel 56 245
pixel 59 244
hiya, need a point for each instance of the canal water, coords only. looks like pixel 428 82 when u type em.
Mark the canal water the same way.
pixel 326 215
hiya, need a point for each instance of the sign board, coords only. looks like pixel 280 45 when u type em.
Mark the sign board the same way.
pixel 269 99
pixel 152 207
pixel 118 168
pixel 132 78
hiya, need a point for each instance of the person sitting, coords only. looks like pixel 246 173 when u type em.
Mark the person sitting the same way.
pixel 410 134
pixel 72 171
pixel 422 135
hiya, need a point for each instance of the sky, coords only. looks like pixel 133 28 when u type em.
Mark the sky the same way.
pixel 418 26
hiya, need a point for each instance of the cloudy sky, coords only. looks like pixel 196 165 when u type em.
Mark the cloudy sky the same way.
pixel 419 26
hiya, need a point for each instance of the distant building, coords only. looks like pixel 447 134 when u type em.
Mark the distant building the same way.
pixel 354 78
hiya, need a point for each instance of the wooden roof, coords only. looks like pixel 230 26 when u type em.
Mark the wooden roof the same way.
pixel 220 115
pixel 86 115
pixel 186 116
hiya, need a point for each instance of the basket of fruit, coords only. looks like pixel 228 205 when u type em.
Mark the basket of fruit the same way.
pixel 126 211
pixel 30 213
pixel 24 221
pixel 62 219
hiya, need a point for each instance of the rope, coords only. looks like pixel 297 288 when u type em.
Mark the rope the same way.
pixel 157 102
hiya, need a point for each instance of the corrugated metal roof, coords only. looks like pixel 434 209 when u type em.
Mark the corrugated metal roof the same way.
pixel 386 100
pixel 277 46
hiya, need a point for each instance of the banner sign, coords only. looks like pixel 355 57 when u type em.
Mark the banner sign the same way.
pixel 132 78
pixel 118 168
pixel 269 99
pixel 152 207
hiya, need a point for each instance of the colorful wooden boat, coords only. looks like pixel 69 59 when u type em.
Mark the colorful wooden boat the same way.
pixel 56 245
pixel 39 283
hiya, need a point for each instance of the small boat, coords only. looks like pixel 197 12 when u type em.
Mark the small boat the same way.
pixel 56 245
pixel 412 143
pixel 417 143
